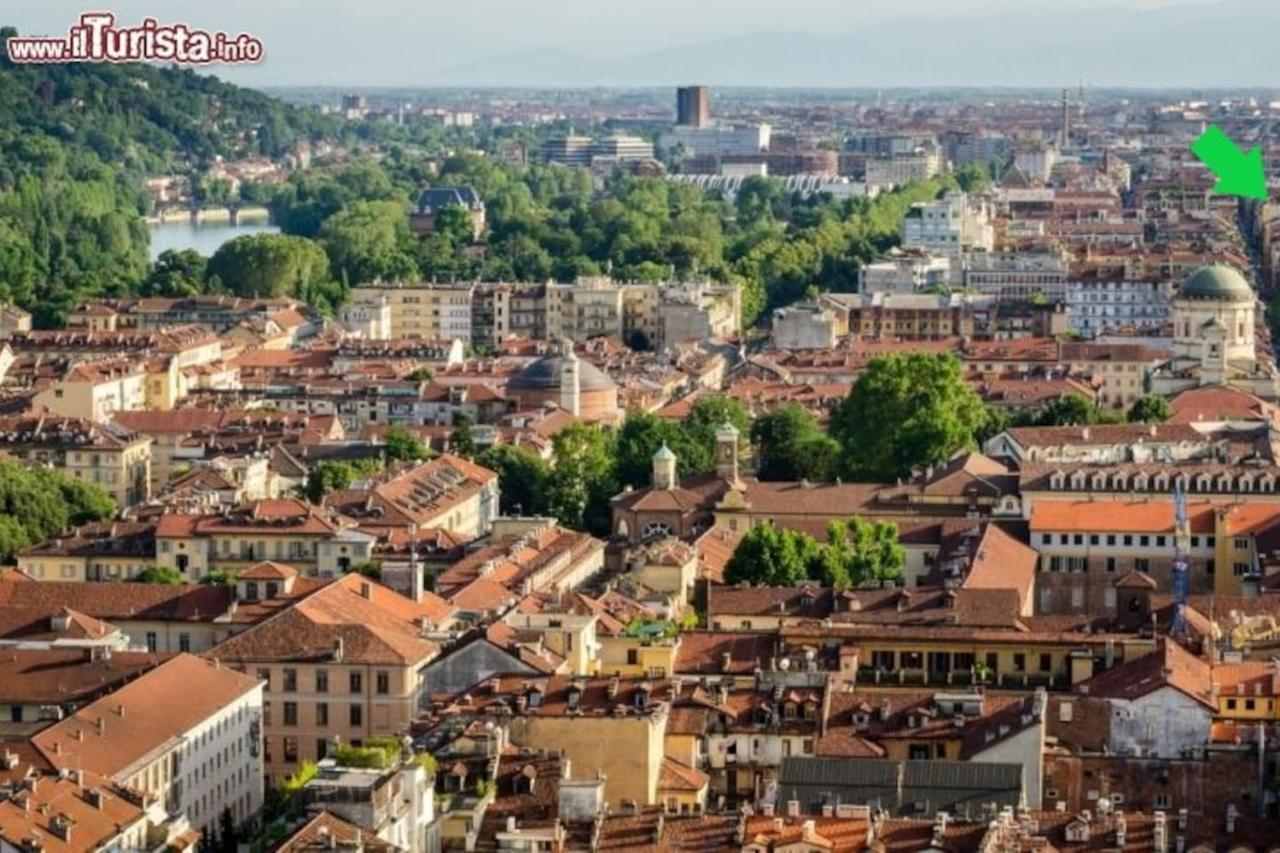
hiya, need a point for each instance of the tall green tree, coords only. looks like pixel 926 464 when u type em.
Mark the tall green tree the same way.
pixel 790 445
pixel 369 240
pixel 768 556
pixel 711 412
pixel 583 478
pixel 523 478
pixel 462 441
pixel 904 411
pixel 865 551
pixel 640 437
pixel 1151 409
pixel 336 474
pixel 400 444
pixel 270 266
pixel 177 273
pixel 1068 410
pixel 37 504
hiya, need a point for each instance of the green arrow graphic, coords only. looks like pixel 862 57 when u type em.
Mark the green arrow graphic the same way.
pixel 1239 173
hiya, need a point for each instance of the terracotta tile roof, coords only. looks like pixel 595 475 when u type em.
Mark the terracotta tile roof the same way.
pixel 674 776
pixel 284 516
pixel 1105 434
pixel 1002 562
pixel 515 775
pixel 370 623
pixel 1154 516
pixel 118 602
pixel 839 835
pixel 327 832
pixel 97 811
pixel 1169 666
pixel 809 600
pixel 713 652
pixel 715 549
pixel 555 692
pixel 67 676
pixel 267 570
pixel 1216 403
pixel 423 494
pixel 38 624
pixel 655 832
pixel 110 735
pixel 57 432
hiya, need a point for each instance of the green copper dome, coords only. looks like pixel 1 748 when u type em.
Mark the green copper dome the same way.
pixel 1218 283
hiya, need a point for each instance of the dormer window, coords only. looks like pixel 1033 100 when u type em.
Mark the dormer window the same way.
pixel 534 697
pixel 251 591
pixel 573 697
pixel 641 699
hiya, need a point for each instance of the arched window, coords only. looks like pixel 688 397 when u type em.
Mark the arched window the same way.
pixel 656 528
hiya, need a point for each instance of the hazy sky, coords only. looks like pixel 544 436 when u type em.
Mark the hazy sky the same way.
pixel 428 42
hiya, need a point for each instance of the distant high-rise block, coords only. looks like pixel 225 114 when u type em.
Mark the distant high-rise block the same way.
pixel 693 106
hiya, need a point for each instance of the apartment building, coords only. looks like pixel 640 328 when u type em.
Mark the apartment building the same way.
pixel 109 456
pixel 184 735
pixel 152 313
pixel 661 314
pixel 431 311
pixel 1089 550
pixel 903 167
pixel 905 272
pixel 1041 274
pixel 610 726
pixel 341 666
pixel 96 389
pixel 805 325
pixel 1098 305
pixel 949 227
pixel 284 529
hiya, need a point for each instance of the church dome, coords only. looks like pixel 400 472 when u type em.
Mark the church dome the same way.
pixel 1216 283
pixel 544 374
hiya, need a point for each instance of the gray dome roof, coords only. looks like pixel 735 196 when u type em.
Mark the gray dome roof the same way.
pixel 545 373
pixel 1218 283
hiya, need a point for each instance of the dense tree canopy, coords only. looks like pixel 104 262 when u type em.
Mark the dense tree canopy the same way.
pixel 640 438
pixel 1150 409
pixel 856 552
pixel 269 266
pixel 334 474
pixel 583 479
pixel 400 444
pixel 790 445
pixel 904 411
pixel 36 504
pixel 522 478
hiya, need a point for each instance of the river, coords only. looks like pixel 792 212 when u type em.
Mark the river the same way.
pixel 204 237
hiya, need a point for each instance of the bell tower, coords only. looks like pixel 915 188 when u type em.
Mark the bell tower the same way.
pixel 664 469
pixel 727 453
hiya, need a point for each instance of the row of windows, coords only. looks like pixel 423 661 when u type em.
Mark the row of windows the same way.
pixel 1142 540
pixel 355 714
pixel 355 681
pixel 888 660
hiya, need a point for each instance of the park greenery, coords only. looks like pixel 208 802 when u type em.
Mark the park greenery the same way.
pixel 81 138
pixel 37 503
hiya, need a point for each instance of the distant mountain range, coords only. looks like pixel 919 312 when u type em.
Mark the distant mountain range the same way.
pixel 1203 46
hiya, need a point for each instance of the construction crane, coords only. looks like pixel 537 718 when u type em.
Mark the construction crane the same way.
pixel 1181 560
